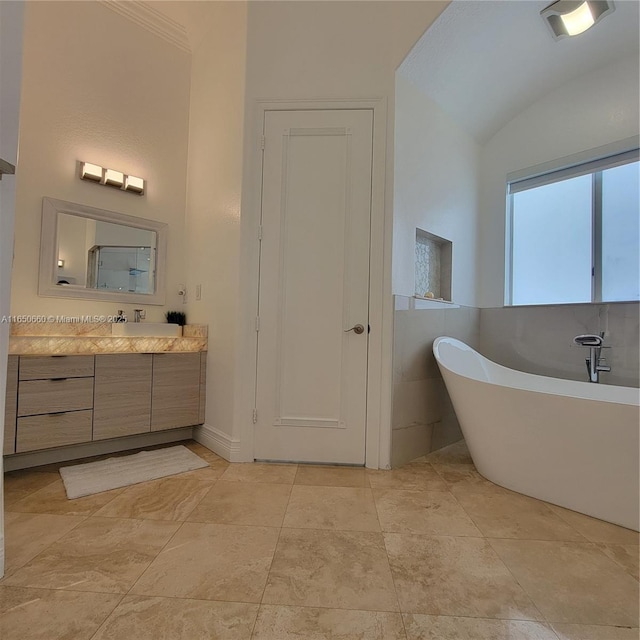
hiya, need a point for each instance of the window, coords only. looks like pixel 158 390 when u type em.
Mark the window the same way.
pixel 575 234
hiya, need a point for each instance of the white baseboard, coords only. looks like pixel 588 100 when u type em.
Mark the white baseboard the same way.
pixel 50 456
pixel 219 442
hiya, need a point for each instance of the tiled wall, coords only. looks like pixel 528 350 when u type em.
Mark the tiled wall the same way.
pixel 422 418
pixel 532 339
pixel 540 339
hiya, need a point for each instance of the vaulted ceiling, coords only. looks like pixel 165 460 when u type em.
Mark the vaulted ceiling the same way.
pixel 484 61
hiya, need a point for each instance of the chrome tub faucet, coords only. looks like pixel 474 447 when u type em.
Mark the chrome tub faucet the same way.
pixel 595 361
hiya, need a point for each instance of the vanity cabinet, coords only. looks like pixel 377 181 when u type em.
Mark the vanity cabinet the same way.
pixel 122 402
pixel 175 400
pixel 203 387
pixel 11 406
pixel 55 401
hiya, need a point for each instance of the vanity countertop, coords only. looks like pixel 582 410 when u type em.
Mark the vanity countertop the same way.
pixel 49 338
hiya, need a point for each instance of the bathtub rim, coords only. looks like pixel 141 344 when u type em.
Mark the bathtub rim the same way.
pixel 508 377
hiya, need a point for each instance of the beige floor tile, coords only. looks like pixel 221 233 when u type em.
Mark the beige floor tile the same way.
pixel 590 632
pixel 244 503
pixel 27 534
pixel 626 555
pixel 512 515
pixel 456 453
pixel 260 472
pixel 333 569
pixel 572 581
pixel 297 623
pixel 140 618
pixel 39 614
pixel 170 498
pixel 53 499
pixel 596 530
pixel 464 478
pixel 343 508
pixel 212 458
pixel 20 484
pixel 443 575
pixel 212 562
pixel 100 554
pixel 419 476
pixel 428 512
pixel 321 476
pixel 421 627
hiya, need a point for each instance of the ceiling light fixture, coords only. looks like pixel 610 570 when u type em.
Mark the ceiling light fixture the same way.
pixel 572 17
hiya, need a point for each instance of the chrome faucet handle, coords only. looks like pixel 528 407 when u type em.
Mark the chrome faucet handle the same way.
pixel 588 340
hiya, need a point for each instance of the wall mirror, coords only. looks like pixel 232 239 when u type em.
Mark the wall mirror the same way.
pixel 96 254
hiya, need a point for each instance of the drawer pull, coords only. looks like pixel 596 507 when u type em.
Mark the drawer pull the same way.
pixel 56 413
pixel 57 379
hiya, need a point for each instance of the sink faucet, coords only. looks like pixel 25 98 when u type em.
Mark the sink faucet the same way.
pixel 595 361
pixel 139 314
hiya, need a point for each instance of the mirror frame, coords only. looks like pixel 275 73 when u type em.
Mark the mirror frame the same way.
pixel 47 277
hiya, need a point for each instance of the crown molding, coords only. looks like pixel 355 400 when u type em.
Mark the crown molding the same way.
pixel 152 20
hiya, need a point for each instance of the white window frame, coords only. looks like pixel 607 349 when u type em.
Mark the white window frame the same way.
pixel 564 170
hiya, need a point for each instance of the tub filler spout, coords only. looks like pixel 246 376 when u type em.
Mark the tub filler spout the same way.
pixel 595 361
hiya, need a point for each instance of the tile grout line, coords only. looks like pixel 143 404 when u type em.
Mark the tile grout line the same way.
pixel 393 582
pixel 275 550
pixel 22 566
pixel 104 622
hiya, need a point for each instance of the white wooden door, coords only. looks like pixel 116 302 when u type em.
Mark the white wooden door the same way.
pixel 314 286
pixel 11 19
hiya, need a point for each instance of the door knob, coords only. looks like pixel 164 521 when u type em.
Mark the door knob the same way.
pixel 356 329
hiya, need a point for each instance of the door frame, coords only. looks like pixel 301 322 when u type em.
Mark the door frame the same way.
pixel 377 439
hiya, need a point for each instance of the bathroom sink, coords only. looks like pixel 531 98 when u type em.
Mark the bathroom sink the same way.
pixel 148 329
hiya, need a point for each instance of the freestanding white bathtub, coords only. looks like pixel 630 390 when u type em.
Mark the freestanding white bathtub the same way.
pixel 574 444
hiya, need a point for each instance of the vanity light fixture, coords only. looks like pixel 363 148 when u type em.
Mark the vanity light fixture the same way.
pixel 90 171
pixel 132 183
pixel 112 178
pixel 572 17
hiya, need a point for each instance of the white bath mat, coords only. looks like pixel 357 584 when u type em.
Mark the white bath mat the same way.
pixel 113 473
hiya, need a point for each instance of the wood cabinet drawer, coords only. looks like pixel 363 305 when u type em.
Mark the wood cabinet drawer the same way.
pixel 41 367
pixel 203 387
pixel 53 430
pixel 52 396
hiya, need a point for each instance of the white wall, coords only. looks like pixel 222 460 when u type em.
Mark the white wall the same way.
pixel 593 110
pixel 11 15
pixel 98 87
pixel 327 50
pixel 436 189
pixel 213 200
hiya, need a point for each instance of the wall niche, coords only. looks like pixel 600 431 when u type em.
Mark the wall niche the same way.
pixel 433 266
